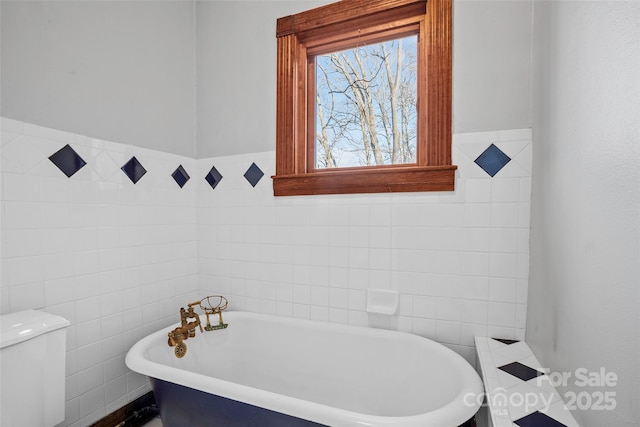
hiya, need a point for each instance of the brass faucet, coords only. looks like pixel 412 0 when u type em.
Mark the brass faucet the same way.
pixel 186 329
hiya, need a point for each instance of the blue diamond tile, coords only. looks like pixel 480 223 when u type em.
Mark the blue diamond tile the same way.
pixel 67 160
pixel 253 174
pixel 492 160
pixel 180 176
pixel 134 170
pixel 538 419
pixel 506 341
pixel 521 371
pixel 213 177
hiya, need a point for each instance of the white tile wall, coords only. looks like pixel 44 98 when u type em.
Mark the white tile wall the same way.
pixel 460 260
pixel 116 259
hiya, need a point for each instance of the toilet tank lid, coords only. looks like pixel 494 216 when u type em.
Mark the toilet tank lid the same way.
pixel 24 325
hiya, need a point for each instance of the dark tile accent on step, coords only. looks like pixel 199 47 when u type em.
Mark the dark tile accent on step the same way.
pixel 538 419
pixel 521 371
pixel 505 341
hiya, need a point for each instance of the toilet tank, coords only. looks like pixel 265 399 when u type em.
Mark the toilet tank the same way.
pixel 32 368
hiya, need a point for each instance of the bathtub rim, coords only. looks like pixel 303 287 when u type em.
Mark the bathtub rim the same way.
pixel 317 412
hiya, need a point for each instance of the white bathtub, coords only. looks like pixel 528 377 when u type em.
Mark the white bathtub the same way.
pixel 334 375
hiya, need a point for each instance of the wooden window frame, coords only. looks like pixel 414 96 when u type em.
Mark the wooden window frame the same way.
pixel 335 26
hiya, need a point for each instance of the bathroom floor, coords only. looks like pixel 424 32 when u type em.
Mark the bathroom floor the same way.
pixel 156 422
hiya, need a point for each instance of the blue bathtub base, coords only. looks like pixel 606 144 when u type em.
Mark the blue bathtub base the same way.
pixel 182 406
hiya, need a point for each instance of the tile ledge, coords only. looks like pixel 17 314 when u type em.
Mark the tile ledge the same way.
pixel 504 407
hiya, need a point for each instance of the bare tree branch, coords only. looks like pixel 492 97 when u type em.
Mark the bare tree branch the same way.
pixel 364 113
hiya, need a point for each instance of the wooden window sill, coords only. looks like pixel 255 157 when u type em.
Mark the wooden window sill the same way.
pixel 375 180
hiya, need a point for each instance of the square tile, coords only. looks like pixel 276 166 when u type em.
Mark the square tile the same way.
pixel 531 396
pixel 21 154
pixel 559 412
pixel 538 419
pixel 521 371
pixel 492 160
pixel 104 165
pixel 180 176
pixel 213 177
pixel 254 174
pixel 505 341
pixel 67 160
pixel 134 170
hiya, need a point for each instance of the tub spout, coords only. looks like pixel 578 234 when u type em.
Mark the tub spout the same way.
pixel 186 330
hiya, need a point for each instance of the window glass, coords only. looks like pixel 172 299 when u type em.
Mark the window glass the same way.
pixel 366 105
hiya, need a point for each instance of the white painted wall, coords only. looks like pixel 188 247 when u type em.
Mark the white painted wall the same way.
pixel 236 51
pixel 237 81
pixel 491 65
pixel 585 239
pixel 122 71
pixel 126 71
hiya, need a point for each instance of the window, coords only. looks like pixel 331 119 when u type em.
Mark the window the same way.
pixel 365 105
pixel 364 98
